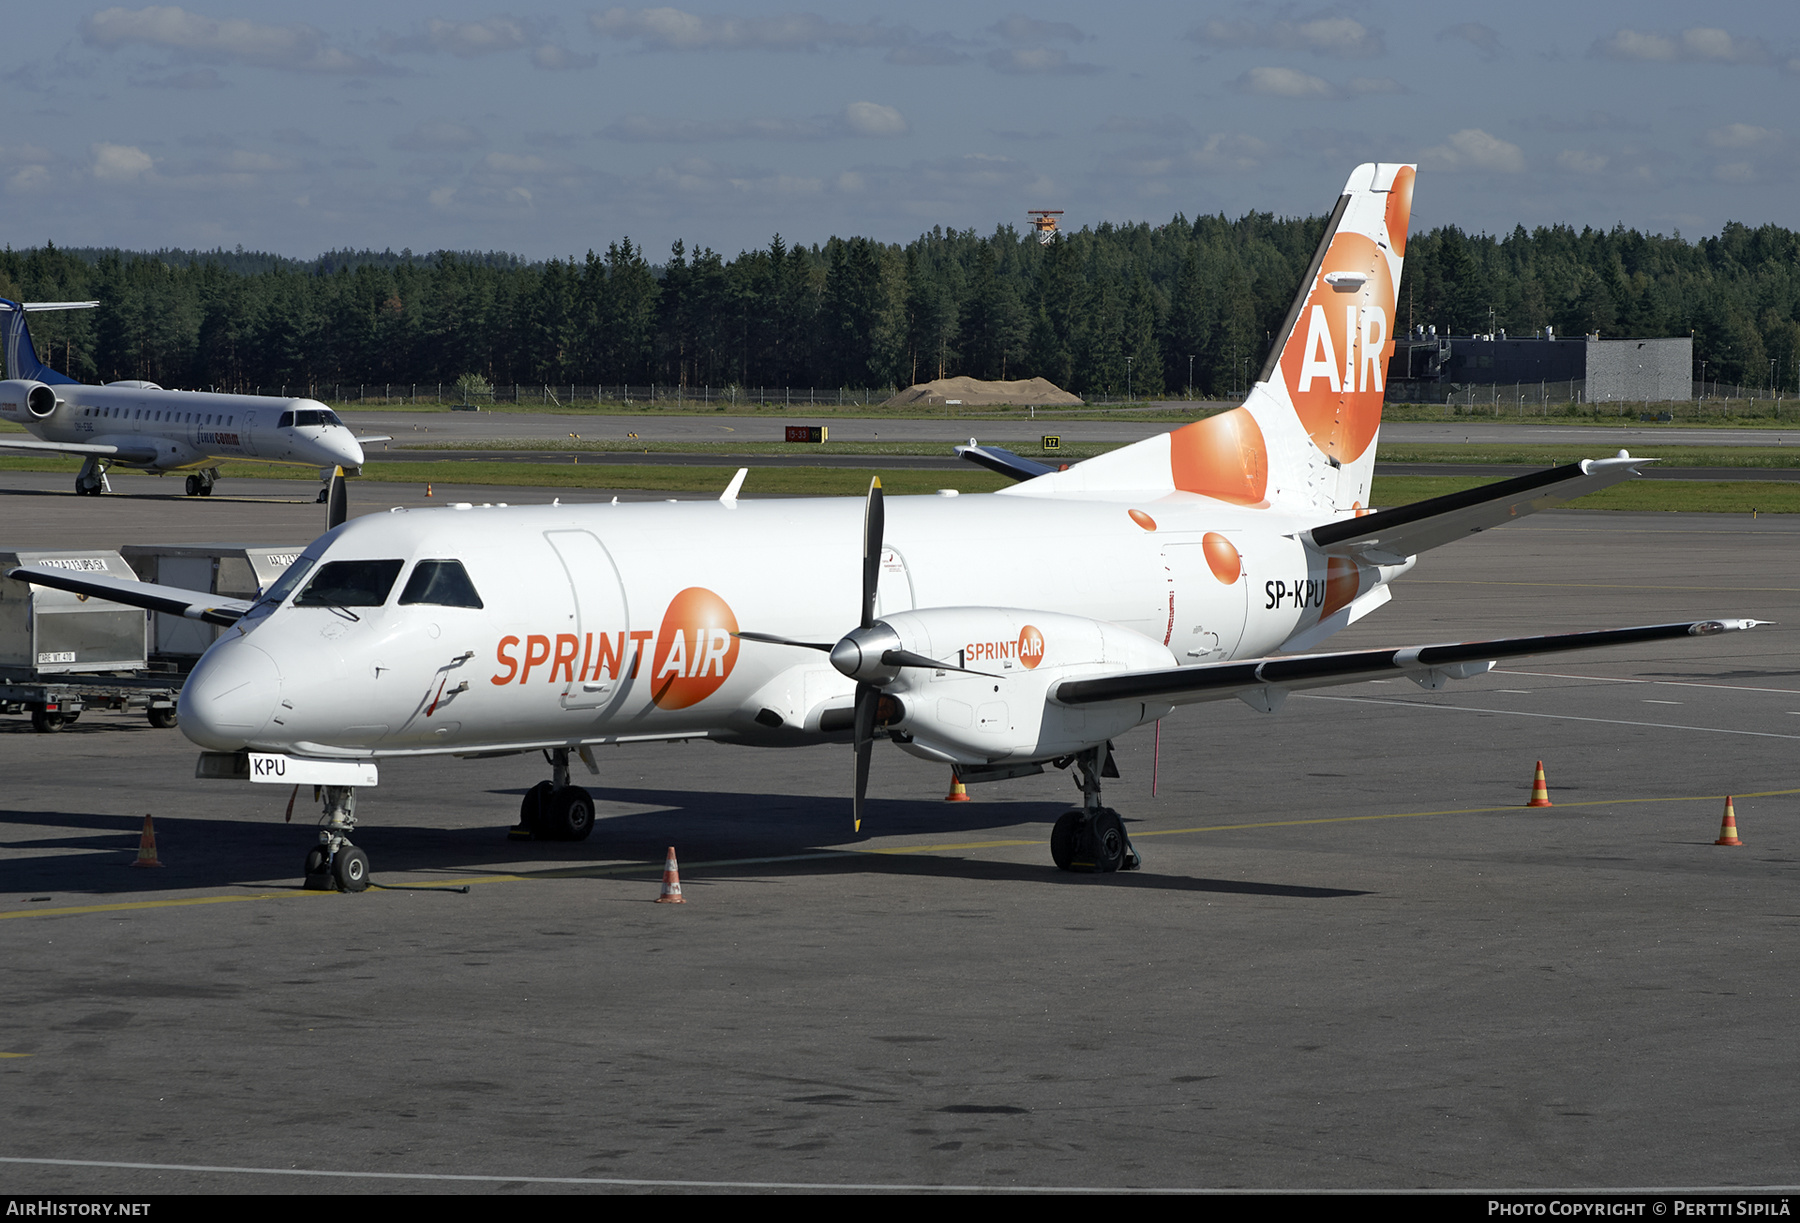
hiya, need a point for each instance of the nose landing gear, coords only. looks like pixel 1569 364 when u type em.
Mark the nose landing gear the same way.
pixel 200 484
pixel 1092 837
pixel 334 864
pixel 554 810
pixel 91 480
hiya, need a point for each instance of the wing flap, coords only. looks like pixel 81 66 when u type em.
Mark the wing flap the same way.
pixel 1429 663
pixel 176 601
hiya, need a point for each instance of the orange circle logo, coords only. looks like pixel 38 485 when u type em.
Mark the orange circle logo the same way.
pixel 1031 647
pixel 1221 557
pixel 695 649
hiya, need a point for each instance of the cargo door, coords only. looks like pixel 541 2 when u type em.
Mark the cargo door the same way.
pixel 597 617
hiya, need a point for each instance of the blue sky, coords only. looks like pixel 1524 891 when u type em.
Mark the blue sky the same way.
pixel 549 129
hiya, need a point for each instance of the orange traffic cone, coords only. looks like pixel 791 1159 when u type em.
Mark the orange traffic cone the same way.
pixel 1540 791
pixel 958 792
pixel 1728 826
pixel 428 490
pixel 147 846
pixel 671 893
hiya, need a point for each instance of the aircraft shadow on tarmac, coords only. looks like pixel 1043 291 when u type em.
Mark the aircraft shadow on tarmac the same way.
pixel 89 853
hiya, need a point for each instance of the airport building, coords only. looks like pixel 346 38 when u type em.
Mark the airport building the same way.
pixel 1429 368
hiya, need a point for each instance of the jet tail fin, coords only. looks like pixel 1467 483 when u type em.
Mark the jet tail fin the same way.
pixel 1304 438
pixel 21 357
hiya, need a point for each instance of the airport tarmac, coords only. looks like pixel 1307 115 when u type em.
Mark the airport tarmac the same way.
pixel 1353 957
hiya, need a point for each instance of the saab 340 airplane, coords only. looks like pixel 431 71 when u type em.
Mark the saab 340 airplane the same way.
pixel 141 426
pixel 997 633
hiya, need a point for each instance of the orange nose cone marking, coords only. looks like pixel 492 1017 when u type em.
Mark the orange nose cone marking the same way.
pixel 695 649
pixel 1335 363
pixel 1031 647
pixel 1221 557
pixel 1223 456
pixel 1142 519
pixel 1399 209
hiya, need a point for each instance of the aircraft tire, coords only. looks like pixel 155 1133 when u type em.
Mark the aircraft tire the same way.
pixel 318 869
pixel 1063 838
pixel 531 812
pixel 193 486
pixel 1106 837
pixel 350 868
pixel 568 815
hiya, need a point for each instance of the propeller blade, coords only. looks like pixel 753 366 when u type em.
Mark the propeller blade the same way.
pixel 866 697
pixel 772 639
pixel 906 658
pixel 873 523
pixel 337 501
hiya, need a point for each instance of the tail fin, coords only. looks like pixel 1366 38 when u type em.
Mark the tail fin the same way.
pixel 1305 436
pixel 21 358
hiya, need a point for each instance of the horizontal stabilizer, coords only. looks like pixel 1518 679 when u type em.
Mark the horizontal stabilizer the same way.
pixel 1430 665
pixel 1390 536
pixel 176 601
pixel 1005 462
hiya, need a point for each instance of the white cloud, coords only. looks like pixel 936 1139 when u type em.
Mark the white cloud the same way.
pixel 553 58
pixel 1735 172
pixel 671 29
pixel 1474 149
pixel 1284 83
pixel 874 119
pixel 1034 61
pixel 1335 37
pixel 1699 45
pixel 438 134
pixel 296 48
pixel 1741 136
pixel 120 163
pixel 464 39
pixel 1579 161
pixel 196 78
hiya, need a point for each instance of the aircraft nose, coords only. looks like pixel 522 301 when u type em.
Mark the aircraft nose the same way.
pixel 230 696
pixel 345 450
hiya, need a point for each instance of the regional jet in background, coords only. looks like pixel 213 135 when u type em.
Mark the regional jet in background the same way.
pixel 997 634
pixel 141 426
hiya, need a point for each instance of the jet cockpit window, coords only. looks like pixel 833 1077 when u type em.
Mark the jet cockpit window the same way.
pixel 443 583
pixel 284 585
pixel 308 416
pixel 350 584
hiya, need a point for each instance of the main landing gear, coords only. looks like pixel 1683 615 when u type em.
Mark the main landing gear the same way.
pixel 554 810
pixel 200 484
pixel 334 864
pixel 1091 837
pixel 91 480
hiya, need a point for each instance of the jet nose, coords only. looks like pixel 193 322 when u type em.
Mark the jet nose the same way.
pixel 230 696
pixel 343 447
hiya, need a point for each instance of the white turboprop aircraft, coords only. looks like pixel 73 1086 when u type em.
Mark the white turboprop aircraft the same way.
pixel 993 633
pixel 141 426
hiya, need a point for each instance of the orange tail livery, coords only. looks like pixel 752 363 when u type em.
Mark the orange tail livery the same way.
pixel 1304 439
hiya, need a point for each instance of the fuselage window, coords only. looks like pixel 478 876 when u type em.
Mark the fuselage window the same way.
pixel 444 583
pixel 350 584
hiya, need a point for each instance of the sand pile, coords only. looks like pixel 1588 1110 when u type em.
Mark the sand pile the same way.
pixel 976 393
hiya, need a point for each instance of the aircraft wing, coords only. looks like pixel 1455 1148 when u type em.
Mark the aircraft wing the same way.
pixel 384 437
pixel 1390 536
pixel 1003 461
pixel 177 601
pixel 1263 682
pixel 125 454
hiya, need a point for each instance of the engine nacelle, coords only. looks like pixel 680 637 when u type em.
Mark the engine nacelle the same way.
pixel 1003 713
pixel 22 397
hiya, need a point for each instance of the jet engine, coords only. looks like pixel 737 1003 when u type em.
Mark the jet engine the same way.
pixel 34 397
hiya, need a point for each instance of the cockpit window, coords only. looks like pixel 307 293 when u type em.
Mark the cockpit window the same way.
pixel 308 416
pixel 290 578
pixel 444 583
pixel 350 584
